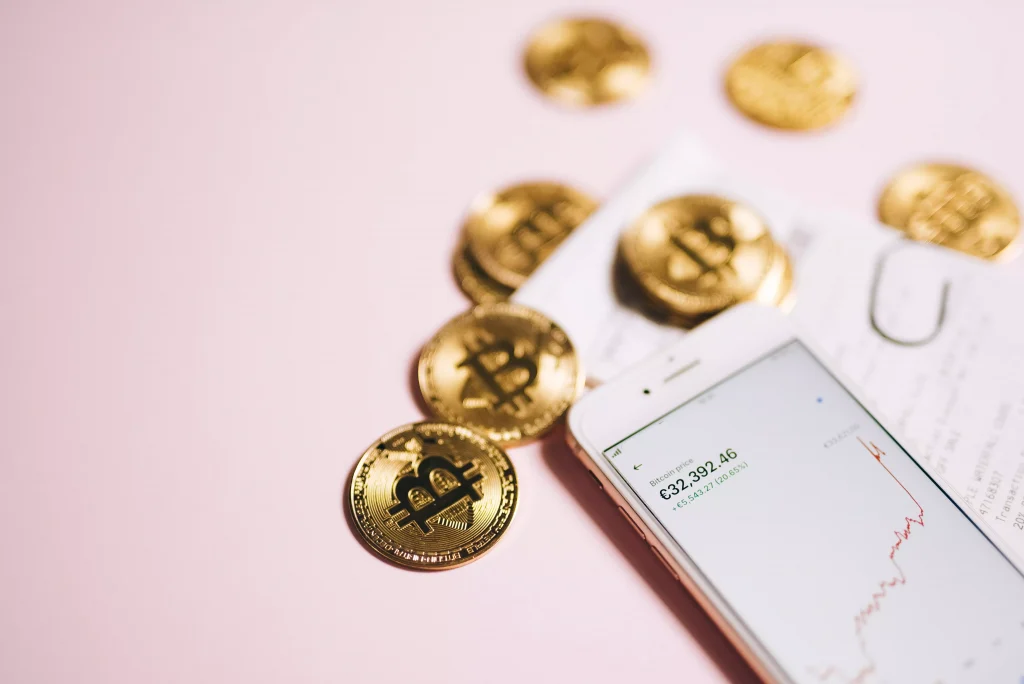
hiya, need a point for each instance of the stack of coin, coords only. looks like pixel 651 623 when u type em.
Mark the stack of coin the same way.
pixel 509 233
pixel 952 206
pixel 695 255
pixel 439 494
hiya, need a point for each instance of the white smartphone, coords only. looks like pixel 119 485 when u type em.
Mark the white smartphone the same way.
pixel 810 533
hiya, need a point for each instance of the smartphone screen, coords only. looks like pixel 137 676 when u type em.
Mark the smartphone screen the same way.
pixel 828 541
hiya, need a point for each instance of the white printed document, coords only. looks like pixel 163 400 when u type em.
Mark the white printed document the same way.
pixel 934 338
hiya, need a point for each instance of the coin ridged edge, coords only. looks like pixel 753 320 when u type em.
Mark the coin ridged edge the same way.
pixel 473 281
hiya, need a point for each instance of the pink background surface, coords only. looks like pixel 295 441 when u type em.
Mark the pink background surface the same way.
pixel 226 232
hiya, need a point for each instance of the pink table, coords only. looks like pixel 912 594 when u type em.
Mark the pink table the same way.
pixel 227 228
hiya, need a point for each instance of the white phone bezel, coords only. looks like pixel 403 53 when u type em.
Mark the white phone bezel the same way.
pixel 664 381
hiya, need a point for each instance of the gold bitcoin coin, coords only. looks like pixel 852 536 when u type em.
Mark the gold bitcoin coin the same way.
pixel 587 61
pixel 501 369
pixel 432 495
pixel 791 85
pixel 698 254
pixel 477 285
pixel 952 206
pixel 776 290
pixel 509 233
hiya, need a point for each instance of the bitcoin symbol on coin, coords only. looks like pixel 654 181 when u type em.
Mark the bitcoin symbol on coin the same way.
pixel 952 206
pixel 949 209
pixel 533 238
pixel 504 375
pixel 791 85
pixel 502 369
pixel 597 47
pixel 509 233
pixel 432 495
pixel 587 61
pixel 695 255
pixel 434 475
pixel 707 244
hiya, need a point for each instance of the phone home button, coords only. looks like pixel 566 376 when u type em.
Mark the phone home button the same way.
pixel 633 524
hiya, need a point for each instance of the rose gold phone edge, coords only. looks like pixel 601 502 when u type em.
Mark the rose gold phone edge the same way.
pixel 680 574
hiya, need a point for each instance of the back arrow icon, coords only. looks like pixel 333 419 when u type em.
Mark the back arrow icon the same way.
pixel 637 466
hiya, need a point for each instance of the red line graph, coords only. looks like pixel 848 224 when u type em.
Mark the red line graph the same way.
pixel 874 606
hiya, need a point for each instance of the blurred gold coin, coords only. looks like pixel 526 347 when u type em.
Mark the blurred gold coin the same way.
pixel 777 288
pixel 698 254
pixel 587 61
pixel 791 85
pixel 501 369
pixel 477 285
pixel 510 232
pixel 952 206
pixel 432 495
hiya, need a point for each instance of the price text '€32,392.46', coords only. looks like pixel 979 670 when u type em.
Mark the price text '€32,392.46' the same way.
pixel 692 486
